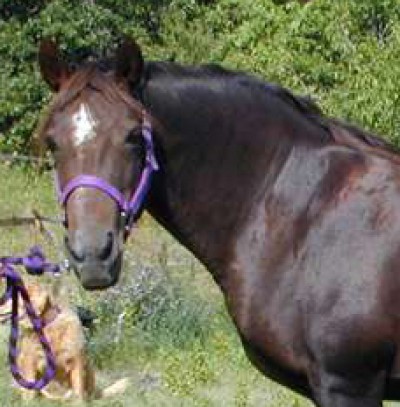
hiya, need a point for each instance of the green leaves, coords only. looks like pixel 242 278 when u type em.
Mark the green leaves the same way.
pixel 345 54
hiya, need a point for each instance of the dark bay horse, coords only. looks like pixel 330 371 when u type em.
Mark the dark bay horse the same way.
pixel 297 216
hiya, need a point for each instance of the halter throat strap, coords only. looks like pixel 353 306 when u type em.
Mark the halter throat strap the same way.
pixel 128 207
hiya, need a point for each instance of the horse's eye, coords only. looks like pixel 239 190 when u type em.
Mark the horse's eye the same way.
pixel 133 138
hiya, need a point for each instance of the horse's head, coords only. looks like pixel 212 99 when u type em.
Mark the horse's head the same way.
pixel 101 143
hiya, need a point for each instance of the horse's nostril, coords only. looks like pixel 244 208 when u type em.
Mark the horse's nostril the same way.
pixel 79 258
pixel 80 252
pixel 106 252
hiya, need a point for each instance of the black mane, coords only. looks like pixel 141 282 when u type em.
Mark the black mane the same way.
pixel 303 104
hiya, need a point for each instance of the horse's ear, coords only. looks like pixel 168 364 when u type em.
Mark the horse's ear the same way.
pixel 129 62
pixel 53 69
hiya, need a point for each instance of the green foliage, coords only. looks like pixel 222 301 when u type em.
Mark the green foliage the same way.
pixel 377 17
pixel 22 9
pixel 152 309
pixel 343 53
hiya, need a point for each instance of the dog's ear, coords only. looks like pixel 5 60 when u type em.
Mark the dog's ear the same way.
pixel 39 296
pixel 47 305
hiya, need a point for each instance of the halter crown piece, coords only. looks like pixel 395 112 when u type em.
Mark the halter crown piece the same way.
pixel 129 207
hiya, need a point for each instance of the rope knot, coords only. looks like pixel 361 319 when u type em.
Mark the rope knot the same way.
pixel 35 263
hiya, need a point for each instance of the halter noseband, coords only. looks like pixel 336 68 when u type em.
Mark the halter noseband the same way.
pixel 129 208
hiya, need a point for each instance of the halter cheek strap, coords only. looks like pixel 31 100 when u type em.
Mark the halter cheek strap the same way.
pixel 129 207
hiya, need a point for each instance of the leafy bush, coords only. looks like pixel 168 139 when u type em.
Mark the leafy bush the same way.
pixel 349 64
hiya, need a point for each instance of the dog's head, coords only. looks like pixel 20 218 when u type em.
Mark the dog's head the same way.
pixel 41 299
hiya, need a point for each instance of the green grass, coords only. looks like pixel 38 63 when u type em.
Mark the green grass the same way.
pixel 174 340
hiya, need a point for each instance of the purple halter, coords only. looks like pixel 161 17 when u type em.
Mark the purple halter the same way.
pixel 128 207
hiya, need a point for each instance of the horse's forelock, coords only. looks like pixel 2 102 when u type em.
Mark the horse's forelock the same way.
pixel 86 77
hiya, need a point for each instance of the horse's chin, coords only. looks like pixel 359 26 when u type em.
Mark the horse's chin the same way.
pixel 99 275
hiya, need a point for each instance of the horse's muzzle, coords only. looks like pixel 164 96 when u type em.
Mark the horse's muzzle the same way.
pixel 97 265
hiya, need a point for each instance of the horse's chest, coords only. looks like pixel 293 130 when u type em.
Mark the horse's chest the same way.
pixel 267 320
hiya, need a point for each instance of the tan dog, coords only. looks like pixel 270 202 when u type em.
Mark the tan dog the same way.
pixel 75 377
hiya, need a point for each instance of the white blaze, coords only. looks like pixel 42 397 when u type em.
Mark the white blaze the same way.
pixel 84 125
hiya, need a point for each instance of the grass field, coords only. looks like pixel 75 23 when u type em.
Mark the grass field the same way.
pixel 164 325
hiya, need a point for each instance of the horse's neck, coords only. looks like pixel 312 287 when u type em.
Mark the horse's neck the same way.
pixel 215 166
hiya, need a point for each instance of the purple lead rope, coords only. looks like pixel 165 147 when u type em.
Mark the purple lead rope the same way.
pixel 35 263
